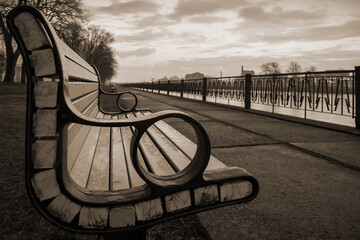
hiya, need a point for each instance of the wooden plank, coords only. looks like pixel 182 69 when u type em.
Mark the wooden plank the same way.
pixel 148 210
pixel 74 128
pixel 78 89
pixel 85 101
pixel 93 217
pixel 126 134
pixel 99 174
pixel 44 153
pixel 76 145
pixel 45 123
pixel 153 157
pixel 74 57
pixel 65 209
pixel 43 62
pixel 31 32
pixel 119 173
pixel 46 94
pixel 82 165
pixel 173 155
pixel 122 216
pixel 236 189
pixel 183 143
pixel 178 201
pixel 45 184
pixel 206 195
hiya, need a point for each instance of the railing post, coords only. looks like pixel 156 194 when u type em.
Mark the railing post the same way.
pixel 204 90
pixel 159 88
pixel 247 91
pixel 357 95
pixel 182 88
pixel 152 86
pixel 168 87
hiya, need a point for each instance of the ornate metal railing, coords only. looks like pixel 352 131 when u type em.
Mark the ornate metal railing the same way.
pixel 325 96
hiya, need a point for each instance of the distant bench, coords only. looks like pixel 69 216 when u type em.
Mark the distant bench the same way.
pixel 90 170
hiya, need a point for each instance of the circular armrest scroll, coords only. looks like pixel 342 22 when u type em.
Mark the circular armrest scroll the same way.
pixel 192 174
pixel 127 101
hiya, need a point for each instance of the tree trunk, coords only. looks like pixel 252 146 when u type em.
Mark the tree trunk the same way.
pixel 10 66
pixel 23 73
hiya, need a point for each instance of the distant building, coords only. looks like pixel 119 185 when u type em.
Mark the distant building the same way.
pixel 243 72
pixel 193 76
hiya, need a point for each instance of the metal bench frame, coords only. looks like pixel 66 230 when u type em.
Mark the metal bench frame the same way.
pixel 189 178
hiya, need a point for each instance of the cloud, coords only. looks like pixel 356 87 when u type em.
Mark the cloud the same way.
pixel 336 32
pixel 189 7
pixel 140 52
pixel 131 7
pixel 145 35
pixel 256 14
pixel 207 19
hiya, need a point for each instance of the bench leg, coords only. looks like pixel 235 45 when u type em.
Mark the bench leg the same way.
pixel 136 235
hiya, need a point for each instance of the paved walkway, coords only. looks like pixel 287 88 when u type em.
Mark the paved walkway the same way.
pixel 309 177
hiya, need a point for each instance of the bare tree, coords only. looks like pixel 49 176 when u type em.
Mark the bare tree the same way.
pixel 97 51
pixel 311 68
pixel 294 67
pixel 59 12
pixel 270 68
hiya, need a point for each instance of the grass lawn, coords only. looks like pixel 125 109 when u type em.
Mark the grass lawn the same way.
pixel 18 218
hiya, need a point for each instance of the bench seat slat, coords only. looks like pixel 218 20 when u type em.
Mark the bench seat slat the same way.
pixel 183 143
pixel 74 128
pixel 75 146
pixel 126 134
pixel 119 173
pixel 174 156
pixel 99 174
pixel 82 166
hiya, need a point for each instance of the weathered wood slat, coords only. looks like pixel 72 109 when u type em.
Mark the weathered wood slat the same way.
pixel 78 89
pixel 206 195
pixel 77 68
pixel 85 101
pixel 82 166
pixel 93 217
pixel 183 143
pixel 154 159
pixel 74 128
pixel 70 54
pixel 43 62
pixel 31 31
pixel 46 94
pixel 45 123
pixel 126 134
pixel 119 173
pixel 44 153
pixel 236 189
pixel 122 216
pixel 99 174
pixel 63 208
pixel 174 155
pixel 148 210
pixel 45 184
pixel 178 201
pixel 76 145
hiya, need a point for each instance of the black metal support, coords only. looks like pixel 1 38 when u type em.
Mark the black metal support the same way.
pixel 357 95
pixel 168 87
pixel 182 84
pixel 204 90
pixel 247 91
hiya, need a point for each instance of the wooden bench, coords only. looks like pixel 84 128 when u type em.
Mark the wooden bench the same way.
pixel 110 172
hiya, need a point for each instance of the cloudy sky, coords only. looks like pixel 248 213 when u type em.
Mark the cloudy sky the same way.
pixel 157 38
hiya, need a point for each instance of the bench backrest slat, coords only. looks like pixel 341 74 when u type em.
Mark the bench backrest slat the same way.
pixel 78 89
